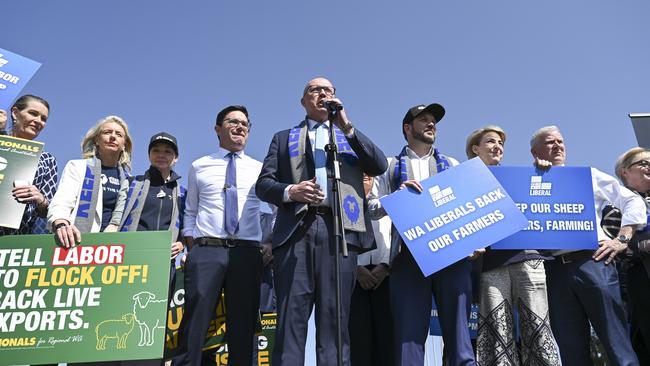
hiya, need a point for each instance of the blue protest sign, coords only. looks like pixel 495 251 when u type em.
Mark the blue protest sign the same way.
pixel 460 210
pixel 559 205
pixel 15 72
pixel 472 322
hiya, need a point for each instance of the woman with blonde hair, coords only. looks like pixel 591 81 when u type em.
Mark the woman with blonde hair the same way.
pixel 93 190
pixel 633 169
pixel 510 280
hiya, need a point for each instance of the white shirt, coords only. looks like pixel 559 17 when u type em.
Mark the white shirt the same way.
pixel 311 133
pixel 204 207
pixel 381 184
pixel 381 230
pixel 608 190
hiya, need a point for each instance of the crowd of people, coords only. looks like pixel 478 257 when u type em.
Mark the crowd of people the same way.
pixel 239 215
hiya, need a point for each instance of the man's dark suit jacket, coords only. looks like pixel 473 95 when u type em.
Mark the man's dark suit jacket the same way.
pixel 276 176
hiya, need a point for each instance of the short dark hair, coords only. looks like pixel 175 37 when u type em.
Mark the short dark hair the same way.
pixel 229 109
pixel 21 103
pixel 404 131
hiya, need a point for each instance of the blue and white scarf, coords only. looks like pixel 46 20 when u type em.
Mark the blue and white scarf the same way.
pixel 352 199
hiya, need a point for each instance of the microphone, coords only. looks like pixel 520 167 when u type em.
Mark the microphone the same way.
pixel 332 107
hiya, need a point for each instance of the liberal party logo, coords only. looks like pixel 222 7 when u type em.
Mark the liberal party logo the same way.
pixel 351 208
pixel 3 61
pixel 440 197
pixel 539 188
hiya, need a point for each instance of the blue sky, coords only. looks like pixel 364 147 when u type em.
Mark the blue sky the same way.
pixel 582 65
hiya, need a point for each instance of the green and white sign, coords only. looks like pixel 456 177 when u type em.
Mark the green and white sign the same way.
pixel 18 163
pixel 215 349
pixel 103 300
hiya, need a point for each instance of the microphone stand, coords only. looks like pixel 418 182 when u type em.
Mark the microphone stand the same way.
pixel 339 231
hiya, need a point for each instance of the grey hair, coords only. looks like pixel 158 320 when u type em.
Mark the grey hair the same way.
pixel 624 161
pixel 542 132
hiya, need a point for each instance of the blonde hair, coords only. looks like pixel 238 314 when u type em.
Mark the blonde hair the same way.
pixel 89 146
pixel 476 136
pixel 624 161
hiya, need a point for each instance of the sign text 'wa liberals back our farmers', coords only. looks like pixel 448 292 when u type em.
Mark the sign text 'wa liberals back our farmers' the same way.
pixel 460 210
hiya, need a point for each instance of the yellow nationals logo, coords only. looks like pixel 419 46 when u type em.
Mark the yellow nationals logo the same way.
pixel 3 166
pixel 18 342
pixel 20 146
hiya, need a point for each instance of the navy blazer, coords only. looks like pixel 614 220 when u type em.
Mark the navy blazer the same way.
pixel 276 176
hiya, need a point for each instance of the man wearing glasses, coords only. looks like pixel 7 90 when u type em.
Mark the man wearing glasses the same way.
pixel 223 233
pixel 295 177
pixel 583 285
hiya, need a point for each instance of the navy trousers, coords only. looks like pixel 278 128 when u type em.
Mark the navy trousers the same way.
pixel 638 287
pixel 584 291
pixel 304 276
pixel 371 326
pixel 208 269
pixel 411 302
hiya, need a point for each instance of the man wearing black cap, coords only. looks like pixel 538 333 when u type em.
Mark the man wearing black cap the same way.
pixel 223 232
pixel 410 290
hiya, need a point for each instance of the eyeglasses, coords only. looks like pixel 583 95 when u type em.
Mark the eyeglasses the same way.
pixel 237 122
pixel 641 163
pixel 318 89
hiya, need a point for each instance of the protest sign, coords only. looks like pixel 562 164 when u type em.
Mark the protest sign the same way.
pixel 460 210
pixel 559 206
pixel 104 300
pixel 15 72
pixel 265 343
pixel 18 164
pixel 472 323
pixel 215 350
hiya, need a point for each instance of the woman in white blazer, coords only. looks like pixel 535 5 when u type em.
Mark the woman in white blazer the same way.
pixel 92 191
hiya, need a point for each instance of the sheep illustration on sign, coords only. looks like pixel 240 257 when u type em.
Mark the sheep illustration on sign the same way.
pixel 147 320
pixel 114 328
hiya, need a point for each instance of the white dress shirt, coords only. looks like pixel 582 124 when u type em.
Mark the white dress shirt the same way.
pixel 381 231
pixel 607 190
pixel 204 207
pixel 381 184
pixel 311 133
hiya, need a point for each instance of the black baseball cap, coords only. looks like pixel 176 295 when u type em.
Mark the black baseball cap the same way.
pixel 166 138
pixel 436 109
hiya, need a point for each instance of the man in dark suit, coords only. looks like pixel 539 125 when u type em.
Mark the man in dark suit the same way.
pixel 294 177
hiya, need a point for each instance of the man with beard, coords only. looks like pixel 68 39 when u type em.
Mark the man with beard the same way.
pixel 583 285
pixel 410 290
pixel 295 179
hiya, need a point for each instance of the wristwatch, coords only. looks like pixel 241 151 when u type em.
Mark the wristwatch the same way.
pixel 623 239
pixel 347 128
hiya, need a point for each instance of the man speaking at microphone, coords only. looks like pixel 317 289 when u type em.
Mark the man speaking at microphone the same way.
pixel 296 178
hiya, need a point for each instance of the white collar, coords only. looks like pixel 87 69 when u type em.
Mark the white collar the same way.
pixel 312 123
pixel 411 154
pixel 223 152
